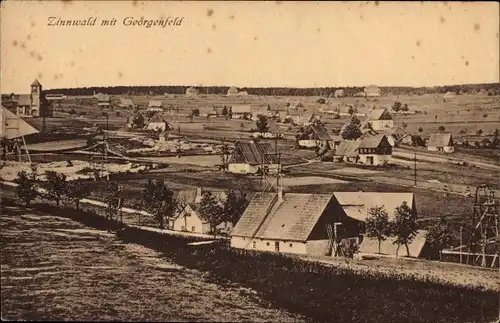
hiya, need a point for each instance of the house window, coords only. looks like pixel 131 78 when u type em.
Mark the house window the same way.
pixel 267 243
pixel 193 229
pixel 291 245
pixel 254 244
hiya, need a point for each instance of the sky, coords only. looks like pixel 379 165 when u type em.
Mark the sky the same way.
pixel 258 44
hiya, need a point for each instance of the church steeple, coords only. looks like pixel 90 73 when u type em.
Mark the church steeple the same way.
pixel 36 93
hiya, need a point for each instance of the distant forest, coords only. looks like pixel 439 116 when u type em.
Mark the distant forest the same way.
pixel 492 88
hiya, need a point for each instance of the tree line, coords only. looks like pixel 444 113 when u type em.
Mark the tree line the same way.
pixel 492 88
pixel 156 198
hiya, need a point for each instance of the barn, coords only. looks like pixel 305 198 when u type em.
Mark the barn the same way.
pixel 250 157
pixel 441 142
pixel 288 222
pixel 380 119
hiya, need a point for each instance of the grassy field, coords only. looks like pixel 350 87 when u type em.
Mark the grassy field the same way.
pixel 57 269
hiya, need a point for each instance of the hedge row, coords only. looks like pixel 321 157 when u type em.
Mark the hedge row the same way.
pixel 320 293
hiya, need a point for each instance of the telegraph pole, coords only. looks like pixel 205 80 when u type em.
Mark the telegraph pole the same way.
pixel 415 168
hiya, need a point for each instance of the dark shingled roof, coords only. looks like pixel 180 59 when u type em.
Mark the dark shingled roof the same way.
pixel 371 141
pixel 292 219
pixel 253 153
pixel 320 132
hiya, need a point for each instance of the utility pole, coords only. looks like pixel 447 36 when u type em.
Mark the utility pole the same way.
pixel 415 168
pixel 461 228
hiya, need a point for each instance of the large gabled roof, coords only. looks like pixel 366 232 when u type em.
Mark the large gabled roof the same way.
pixel 12 126
pixel 379 114
pixel 253 153
pixel 292 219
pixel 357 204
pixel 440 140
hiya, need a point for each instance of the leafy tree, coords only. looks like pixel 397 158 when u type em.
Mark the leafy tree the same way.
pixel 195 112
pixel 72 111
pixel 138 121
pixel 55 186
pixel 377 224
pixel 404 227
pixel 441 128
pixel 75 191
pixel 262 124
pixel 479 132
pixel 497 132
pixel 420 129
pixel 405 107
pixel 396 106
pixel 268 107
pixel 26 189
pixel 225 112
pixel 351 111
pixel 352 131
pixel 234 206
pixel 404 125
pixel 439 236
pixel 159 200
pixel 211 211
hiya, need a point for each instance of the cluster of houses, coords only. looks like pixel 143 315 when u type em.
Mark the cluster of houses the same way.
pixel 300 223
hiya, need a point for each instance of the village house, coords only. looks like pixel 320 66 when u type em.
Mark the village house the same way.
pixel 243 93
pixel 441 142
pixel 126 103
pixel 187 213
pixel 251 157
pixel 233 91
pixel 191 92
pixel 155 105
pixel 314 135
pixel 208 112
pixel 347 151
pixel 287 222
pixel 372 90
pixel 157 123
pixel 241 111
pixel 339 93
pixel 380 119
pixel 55 96
pixel 375 150
pixel 370 150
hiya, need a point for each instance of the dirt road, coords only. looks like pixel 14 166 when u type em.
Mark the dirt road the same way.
pixel 56 269
pixel 438 159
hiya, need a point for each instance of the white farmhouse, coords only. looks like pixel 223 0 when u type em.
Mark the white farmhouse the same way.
pixel 441 142
pixel 380 119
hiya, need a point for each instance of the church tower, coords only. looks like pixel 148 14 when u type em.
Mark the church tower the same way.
pixel 36 94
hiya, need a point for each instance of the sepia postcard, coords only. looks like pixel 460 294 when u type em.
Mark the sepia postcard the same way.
pixel 250 161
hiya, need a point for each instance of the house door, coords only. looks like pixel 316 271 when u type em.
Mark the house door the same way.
pixel 369 160
pixel 277 246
